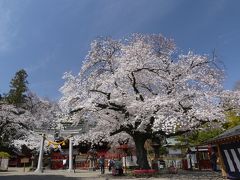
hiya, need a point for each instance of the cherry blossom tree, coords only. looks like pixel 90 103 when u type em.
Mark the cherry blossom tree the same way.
pixel 18 124
pixel 22 112
pixel 45 112
pixel 142 87
pixel 237 85
pixel 14 123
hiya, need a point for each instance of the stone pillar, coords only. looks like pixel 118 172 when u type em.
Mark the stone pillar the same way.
pixel 90 164
pixel 40 158
pixel 93 164
pixel 70 169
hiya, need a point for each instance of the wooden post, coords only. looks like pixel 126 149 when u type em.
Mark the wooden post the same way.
pixel 24 161
pixel 223 167
pixel 125 163
pixel 198 160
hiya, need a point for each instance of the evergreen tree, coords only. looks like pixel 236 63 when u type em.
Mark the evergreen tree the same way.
pixel 18 89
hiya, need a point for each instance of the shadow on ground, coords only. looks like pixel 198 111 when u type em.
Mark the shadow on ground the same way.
pixel 41 177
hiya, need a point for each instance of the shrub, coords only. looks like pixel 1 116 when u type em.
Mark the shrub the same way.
pixel 4 155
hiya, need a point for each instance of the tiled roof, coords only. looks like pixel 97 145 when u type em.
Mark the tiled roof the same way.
pixel 234 132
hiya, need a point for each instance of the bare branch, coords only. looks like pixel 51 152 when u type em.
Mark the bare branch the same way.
pixel 134 85
pixel 99 91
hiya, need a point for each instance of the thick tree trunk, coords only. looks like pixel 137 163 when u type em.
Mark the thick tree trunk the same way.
pixel 141 151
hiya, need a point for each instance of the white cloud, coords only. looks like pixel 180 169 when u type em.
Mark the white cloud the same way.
pixel 41 63
pixel 8 29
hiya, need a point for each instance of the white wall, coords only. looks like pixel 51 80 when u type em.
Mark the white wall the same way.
pixel 130 161
pixel 4 164
pixel 172 151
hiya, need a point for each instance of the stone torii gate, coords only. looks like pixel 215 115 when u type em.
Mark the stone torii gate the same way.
pixel 62 132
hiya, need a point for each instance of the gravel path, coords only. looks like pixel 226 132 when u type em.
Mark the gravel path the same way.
pixel 18 174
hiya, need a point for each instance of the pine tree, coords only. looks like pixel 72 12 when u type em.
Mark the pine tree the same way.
pixel 18 89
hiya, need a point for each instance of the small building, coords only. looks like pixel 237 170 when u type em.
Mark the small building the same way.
pixel 175 153
pixel 202 158
pixel 182 156
pixel 16 157
pixel 228 149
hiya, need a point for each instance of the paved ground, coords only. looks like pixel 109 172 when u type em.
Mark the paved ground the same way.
pixel 18 174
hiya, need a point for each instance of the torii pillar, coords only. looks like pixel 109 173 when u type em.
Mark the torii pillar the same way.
pixel 40 157
pixel 70 169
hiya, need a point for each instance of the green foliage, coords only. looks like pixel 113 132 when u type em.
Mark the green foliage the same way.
pixel 18 89
pixel 205 135
pixel 200 136
pixel 163 150
pixel 232 120
pixel 4 155
pixel 207 132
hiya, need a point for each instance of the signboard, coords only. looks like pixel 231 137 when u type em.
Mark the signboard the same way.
pixel 80 158
pixel 24 160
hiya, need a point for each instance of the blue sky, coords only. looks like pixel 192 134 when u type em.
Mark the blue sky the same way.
pixel 50 37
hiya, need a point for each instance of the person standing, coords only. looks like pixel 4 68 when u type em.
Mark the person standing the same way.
pixel 102 164
pixel 74 163
pixel 118 166
pixel 213 160
pixel 111 163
